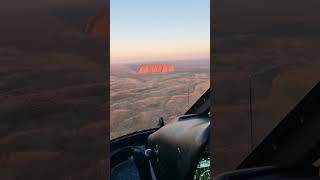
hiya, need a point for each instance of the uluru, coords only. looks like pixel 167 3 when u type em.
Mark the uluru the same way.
pixel 156 68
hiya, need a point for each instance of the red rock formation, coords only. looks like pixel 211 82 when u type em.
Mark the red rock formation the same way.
pixel 98 25
pixel 156 68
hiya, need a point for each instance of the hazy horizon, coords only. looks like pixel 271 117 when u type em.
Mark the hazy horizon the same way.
pixel 159 61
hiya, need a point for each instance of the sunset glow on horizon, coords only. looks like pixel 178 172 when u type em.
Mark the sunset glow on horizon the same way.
pixel 153 30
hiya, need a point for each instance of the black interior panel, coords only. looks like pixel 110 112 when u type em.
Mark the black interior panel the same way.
pixel 178 145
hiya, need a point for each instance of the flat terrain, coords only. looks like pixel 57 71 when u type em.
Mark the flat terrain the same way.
pixel 139 100
pixel 53 95
pixel 276 45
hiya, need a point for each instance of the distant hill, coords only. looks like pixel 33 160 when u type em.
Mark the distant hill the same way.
pixel 156 68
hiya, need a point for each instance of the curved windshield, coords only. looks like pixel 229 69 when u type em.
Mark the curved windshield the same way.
pixel 159 61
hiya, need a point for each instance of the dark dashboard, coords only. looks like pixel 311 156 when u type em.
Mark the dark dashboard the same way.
pixel 178 150
pixel 128 169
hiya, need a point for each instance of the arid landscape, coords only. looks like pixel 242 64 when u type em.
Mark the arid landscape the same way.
pixel 52 92
pixel 274 45
pixel 137 101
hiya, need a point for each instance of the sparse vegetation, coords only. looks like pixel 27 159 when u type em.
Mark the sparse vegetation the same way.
pixel 138 100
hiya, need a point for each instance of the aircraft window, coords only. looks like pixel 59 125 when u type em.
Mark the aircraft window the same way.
pixel 156 70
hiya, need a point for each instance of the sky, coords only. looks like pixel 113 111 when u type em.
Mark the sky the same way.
pixel 155 30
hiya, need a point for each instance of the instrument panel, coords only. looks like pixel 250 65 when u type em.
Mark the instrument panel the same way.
pixel 203 167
